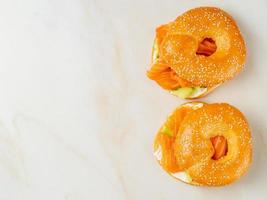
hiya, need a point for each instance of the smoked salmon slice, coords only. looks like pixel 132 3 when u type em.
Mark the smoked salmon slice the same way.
pixel 220 147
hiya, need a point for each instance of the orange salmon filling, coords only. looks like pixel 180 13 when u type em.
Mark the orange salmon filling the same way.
pixel 166 142
pixel 166 77
pixel 206 47
pixel 219 144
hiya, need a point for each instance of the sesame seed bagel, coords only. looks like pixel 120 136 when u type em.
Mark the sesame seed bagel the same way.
pixel 205 144
pixel 203 47
pixel 178 48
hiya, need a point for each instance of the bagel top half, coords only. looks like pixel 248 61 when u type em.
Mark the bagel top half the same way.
pixel 202 48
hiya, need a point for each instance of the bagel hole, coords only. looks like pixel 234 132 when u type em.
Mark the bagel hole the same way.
pixel 220 147
pixel 207 47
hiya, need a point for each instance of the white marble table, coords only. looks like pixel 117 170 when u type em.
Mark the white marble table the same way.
pixel 78 115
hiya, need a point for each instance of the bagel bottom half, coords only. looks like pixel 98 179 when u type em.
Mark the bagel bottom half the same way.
pixel 204 144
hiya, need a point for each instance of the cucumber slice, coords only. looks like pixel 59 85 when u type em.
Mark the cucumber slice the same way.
pixel 155 51
pixel 198 91
pixel 165 130
pixel 189 92
pixel 183 92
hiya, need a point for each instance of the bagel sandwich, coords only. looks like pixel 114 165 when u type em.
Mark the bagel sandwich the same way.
pixel 204 144
pixel 197 52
